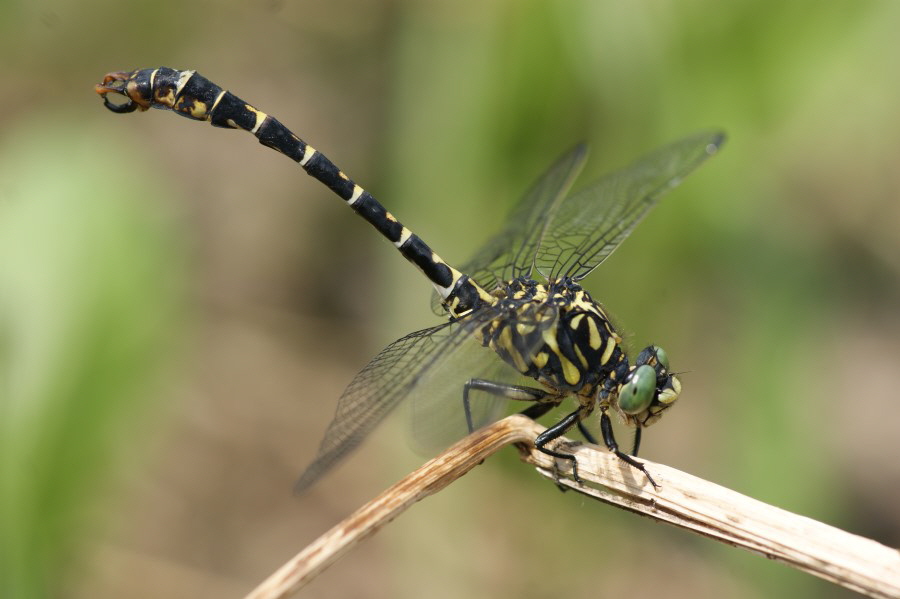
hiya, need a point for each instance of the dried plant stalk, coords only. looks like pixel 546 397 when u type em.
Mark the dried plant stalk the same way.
pixel 686 501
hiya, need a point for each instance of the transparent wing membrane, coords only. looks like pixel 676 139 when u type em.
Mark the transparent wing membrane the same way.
pixel 396 372
pixel 510 253
pixel 437 414
pixel 590 224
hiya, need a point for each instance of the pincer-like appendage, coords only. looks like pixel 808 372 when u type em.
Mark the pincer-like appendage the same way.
pixel 127 85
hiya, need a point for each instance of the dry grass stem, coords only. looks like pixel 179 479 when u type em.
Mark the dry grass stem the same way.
pixel 430 478
pixel 686 501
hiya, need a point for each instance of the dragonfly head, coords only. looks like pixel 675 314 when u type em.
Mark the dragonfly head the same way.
pixel 649 389
pixel 134 86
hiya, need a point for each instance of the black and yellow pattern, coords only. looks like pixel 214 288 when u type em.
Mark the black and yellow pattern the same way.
pixel 552 332
pixel 195 97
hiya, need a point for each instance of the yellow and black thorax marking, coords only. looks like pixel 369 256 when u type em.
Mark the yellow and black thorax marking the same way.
pixel 555 333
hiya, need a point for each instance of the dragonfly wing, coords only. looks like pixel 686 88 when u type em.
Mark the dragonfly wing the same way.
pixel 510 253
pixel 590 224
pixel 396 372
pixel 438 414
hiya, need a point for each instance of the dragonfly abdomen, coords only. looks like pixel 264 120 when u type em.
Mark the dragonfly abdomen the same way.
pixel 193 96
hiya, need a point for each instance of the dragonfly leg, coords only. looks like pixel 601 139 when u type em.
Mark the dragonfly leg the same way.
pixel 558 430
pixel 539 409
pixel 637 441
pixel 610 440
pixel 588 434
pixel 515 392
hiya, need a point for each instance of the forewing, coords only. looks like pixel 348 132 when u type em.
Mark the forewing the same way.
pixel 396 372
pixel 510 253
pixel 437 415
pixel 437 412
pixel 591 223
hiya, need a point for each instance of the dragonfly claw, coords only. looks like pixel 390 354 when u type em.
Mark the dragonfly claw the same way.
pixel 117 83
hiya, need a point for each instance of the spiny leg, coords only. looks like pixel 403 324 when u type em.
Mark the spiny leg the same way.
pixel 637 441
pixel 558 430
pixel 544 402
pixel 537 410
pixel 593 440
pixel 588 435
pixel 610 440
pixel 514 392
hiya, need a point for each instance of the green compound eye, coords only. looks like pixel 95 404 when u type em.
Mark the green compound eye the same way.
pixel 637 394
pixel 662 358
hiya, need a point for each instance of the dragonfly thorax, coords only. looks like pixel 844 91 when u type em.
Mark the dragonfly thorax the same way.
pixel 555 333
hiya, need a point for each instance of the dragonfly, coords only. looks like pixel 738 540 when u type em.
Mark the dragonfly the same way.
pixel 519 326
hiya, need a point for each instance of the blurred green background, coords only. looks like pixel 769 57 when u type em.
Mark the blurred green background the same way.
pixel 180 308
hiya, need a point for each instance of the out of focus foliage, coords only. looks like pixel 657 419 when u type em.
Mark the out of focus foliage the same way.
pixel 771 277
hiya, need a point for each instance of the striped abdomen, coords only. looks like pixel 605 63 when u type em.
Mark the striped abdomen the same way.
pixel 195 97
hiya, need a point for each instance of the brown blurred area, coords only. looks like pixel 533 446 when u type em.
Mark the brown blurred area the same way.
pixel 771 277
